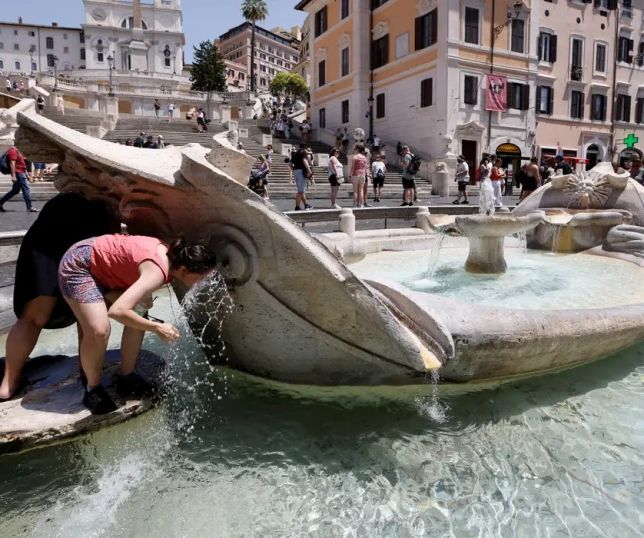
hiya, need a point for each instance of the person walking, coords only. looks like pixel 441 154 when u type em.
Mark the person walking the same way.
pixel 462 179
pixel 306 130
pixel 170 112
pixel 7 85
pixel 17 167
pixel 301 173
pixel 338 137
pixel 201 120
pixel 497 176
pixel 378 174
pixel 359 175
pixel 336 176
pixel 40 104
pixel 408 181
pixel 157 108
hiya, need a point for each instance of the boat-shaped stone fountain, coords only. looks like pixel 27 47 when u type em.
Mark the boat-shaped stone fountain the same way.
pixel 302 316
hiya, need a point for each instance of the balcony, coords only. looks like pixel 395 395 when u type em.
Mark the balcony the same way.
pixel 576 73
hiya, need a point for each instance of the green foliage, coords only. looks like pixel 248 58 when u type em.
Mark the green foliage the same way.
pixel 208 69
pixel 254 10
pixel 289 84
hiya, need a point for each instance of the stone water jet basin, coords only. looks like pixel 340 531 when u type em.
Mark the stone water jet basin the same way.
pixel 575 230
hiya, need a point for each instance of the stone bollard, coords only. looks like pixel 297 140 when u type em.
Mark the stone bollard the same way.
pixel 347 222
pixel 285 149
pixel 422 219
pixel 440 183
pixel 321 159
pixel 243 133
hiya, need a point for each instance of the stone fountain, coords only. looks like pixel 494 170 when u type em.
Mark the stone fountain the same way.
pixel 301 315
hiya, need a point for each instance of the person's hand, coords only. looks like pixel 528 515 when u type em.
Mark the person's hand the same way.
pixel 167 332
pixel 14 179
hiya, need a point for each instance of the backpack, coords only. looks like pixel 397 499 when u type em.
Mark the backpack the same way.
pixel 414 165
pixel 4 164
pixel 380 174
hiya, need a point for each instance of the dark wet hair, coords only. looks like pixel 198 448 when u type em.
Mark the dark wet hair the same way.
pixel 196 258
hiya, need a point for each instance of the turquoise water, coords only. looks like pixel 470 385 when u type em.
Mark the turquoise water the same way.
pixel 228 456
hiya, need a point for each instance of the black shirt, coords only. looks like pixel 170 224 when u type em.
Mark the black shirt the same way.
pixel 297 160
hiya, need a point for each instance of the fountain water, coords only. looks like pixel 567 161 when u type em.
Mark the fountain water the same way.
pixel 434 253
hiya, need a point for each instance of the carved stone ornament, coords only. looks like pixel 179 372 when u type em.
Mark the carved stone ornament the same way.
pixel 380 30
pixel 345 40
pixel 473 128
pixel 321 53
pixel 424 6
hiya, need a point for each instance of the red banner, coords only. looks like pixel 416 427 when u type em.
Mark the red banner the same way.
pixel 496 93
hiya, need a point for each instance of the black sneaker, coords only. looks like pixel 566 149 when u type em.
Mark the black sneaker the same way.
pixel 403 204
pixel 98 401
pixel 2 209
pixel 134 386
pixel 307 206
pixel 464 202
pixel 298 208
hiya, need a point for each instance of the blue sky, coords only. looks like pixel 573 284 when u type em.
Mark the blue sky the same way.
pixel 202 19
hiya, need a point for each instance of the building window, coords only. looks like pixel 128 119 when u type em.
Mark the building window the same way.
pixel 65 50
pixel 100 58
pixel 1 64
pixel 600 58
pixel 344 10
pixel 639 110
pixel 34 66
pixel 625 50
pixel 17 65
pixel 322 73
pixel 166 62
pixel 544 100
pixel 577 105
pixel 82 54
pixel 426 92
pixel 598 107
pixel 49 43
pixel 322 118
pixel 16 46
pixel 320 23
pixel 517 39
pixel 518 96
pixel 345 111
pixel 377 3
pixel 623 108
pixel 82 37
pixel 472 25
pixel 380 52
pixel 547 47
pixel 50 60
pixel 426 30
pixel 380 105
pixel 32 34
pixel 470 90
pixel 345 62
pixel 577 53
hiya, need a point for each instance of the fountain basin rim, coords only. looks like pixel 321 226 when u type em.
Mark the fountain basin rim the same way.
pixel 497 225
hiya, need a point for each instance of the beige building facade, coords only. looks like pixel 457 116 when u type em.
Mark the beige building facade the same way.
pixel 275 52
pixel 417 71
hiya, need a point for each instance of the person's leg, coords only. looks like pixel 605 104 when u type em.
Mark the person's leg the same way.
pixel 361 186
pixel 354 183
pixel 15 189
pixel 26 191
pixel 95 326
pixel 131 343
pixel 22 339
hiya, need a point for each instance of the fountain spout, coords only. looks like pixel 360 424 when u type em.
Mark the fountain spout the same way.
pixel 486 235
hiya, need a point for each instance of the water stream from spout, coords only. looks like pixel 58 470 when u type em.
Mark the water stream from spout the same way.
pixel 434 254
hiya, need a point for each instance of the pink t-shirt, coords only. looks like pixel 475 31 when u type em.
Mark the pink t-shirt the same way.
pixel 116 259
pixel 359 167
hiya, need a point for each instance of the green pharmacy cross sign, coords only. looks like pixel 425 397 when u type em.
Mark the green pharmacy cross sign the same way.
pixel 631 140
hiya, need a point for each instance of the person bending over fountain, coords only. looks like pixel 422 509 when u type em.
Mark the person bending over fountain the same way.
pixel 64 220
pixel 123 270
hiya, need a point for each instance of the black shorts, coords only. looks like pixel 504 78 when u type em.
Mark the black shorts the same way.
pixel 333 180
pixel 408 183
pixel 461 186
pixel 200 121
pixel 378 182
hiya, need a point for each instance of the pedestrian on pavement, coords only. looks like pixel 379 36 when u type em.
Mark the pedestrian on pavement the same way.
pixel 532 180
pixel 359 175
pixel 17 167
pixel 170 112
pixel 201 120
pixel 462 179
pixel 497 176
pixel 378 174
pixel 22 87
pixel 306 130
pixel 40 104
pixel 368 177
pixel 338 137
pixel 37 301
pixel 302 171
pixel 8 85
pixel 157 108
pixel 408 182
pixel 376 143
pixel 336 176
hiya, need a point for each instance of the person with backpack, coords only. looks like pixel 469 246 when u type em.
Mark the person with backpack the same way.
pixel 562 165
pixel 410 165
pixel 378 173
pixel 13 163
pixel 40 104
pixel 157 108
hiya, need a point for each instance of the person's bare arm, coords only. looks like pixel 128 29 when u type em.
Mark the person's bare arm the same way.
pixel 12 165
pixel 151 278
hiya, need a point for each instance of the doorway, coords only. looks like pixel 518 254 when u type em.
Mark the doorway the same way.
pixel 592 156
pixel 470 153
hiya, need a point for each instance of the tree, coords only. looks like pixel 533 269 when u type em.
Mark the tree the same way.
pixel 253 11
pixel 208 69
pixel 289 84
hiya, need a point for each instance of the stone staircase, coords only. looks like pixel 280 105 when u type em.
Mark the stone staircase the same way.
pixel 79 121
pixel 40 191
pixel 179 132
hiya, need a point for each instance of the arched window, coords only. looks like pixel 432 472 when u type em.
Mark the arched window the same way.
pixel 129 23
pixel 49 42
pixel 1 64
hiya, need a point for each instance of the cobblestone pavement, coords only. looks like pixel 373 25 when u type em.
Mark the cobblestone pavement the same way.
pixel 16 216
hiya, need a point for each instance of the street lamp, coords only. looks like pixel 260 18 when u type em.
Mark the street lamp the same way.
pixel 370 101
pixel 32 49
pixel 174 64
pixel 110 62
pixel 512 14
pixel 55 60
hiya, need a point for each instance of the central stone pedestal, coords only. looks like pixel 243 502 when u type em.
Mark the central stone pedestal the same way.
pixel 486 235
